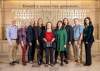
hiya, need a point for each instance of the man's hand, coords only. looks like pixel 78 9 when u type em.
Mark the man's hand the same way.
pixel 86 42
pixel 79 42
pixel 37 42
pixel 22 43
pixel 70 43
pixel 30 44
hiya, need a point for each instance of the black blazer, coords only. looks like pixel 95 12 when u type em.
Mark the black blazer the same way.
pixel 30 33
pixel 38 33
pixel 88 34
pixel 70 33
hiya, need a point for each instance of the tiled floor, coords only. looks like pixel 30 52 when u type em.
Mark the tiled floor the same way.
pixel 72 66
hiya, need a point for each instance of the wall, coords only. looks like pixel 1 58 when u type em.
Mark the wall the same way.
pixel 89 8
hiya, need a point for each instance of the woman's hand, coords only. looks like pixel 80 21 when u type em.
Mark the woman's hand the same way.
pixel 65 46
pixel 45 40
pixel 53 40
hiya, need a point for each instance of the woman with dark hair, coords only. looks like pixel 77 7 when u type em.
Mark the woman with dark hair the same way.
pixel 69 31
pixel 88 39
pixel 61 39
pixel 39 40
pixel 48 41
pixel 31 40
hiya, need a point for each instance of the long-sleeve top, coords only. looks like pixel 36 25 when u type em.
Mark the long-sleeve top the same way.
pixel 88 34
pixel 11 33
pixel 61 39
pixel 30 32
pixel 70 33
pixel 39 33
pixel 22 36
pixel 49 36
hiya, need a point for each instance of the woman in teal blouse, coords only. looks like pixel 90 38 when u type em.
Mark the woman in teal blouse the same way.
pixel 61 39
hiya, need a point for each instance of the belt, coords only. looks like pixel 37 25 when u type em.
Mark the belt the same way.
pixel 13 39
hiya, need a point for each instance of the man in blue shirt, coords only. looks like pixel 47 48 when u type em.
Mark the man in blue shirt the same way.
pixel 11 34
pixel 78 35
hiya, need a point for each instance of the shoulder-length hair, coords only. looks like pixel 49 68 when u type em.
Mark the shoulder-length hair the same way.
pixel 58 23
pixel 38 21
pixel 90 22
pixel 47 24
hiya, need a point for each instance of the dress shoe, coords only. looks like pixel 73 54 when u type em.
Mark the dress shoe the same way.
pixel 12 63
pixel 87 64
pixel 61 64
pixel 66 61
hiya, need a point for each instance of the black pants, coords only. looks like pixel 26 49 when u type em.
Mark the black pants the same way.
pixel 54 52
pixel 88 53
pixel 31 52
pixel 61 56
pixel 40 53
pixel 49 55
pixel 65 55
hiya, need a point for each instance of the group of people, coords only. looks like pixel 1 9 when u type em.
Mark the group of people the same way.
pixel 49 41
